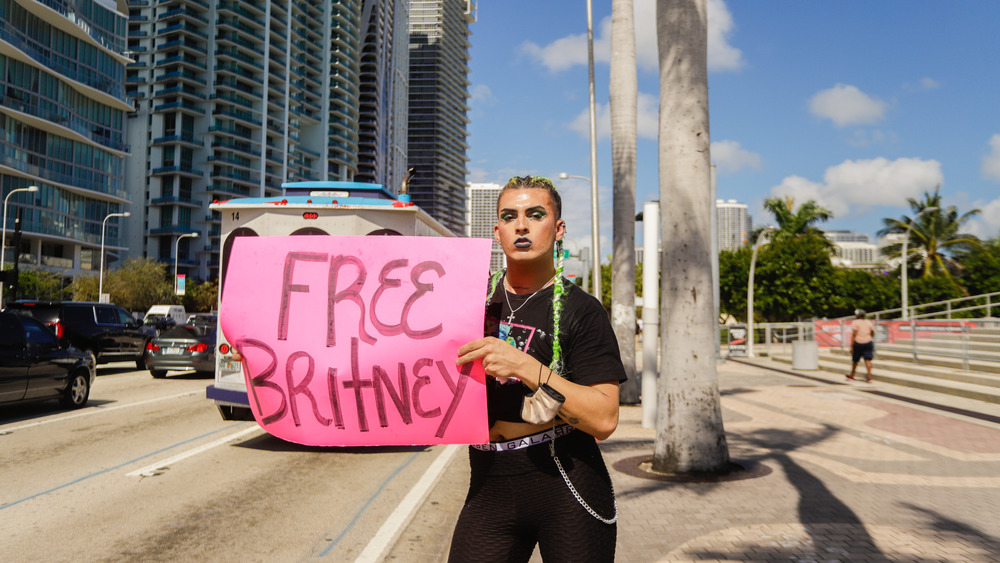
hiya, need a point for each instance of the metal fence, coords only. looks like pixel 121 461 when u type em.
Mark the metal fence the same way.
pixel 962 329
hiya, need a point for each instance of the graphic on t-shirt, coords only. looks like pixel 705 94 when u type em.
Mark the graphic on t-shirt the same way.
pixel 518 336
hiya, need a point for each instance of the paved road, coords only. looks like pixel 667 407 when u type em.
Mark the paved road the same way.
pixel 150 472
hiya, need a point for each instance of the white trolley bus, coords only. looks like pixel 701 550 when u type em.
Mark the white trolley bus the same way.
pixel 306 208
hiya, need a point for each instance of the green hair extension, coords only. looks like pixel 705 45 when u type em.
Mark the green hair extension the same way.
pixel 558 291
pixel 494 282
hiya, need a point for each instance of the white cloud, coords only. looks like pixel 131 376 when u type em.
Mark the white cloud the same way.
pixel 729 156
pixel 481 95
pixel 846 105
pixel 566 52
pixel 855 185
pixel 928 83
pixel 721 55
pixel 986 225
pixel 647 119
pixel 991 161
pixel 561 54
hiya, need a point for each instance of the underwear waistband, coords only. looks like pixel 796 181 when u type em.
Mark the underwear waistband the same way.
pixel 526 441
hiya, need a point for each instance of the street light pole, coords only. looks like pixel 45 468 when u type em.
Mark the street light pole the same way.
pixel 100 282
pixel 753 262
pixel 593 155
pixel 903 273
pixel 595 239
pixel 3 244
pixel 177 255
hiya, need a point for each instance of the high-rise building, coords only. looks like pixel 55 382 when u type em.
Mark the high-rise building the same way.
pixel 62 115
pixel 735 224
pixel 481 217
pixel 234 98
pixel 382 117
pixel 854 250
pixel 438 121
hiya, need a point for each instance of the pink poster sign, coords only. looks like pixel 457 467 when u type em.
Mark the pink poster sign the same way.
pixel 352 340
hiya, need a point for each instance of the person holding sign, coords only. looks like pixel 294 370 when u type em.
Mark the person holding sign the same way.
pixel 553 371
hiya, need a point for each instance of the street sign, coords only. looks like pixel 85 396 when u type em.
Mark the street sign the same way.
pixel 737 340
pixel 104 298
pixel 179 284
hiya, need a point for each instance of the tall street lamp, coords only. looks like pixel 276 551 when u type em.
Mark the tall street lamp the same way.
pixel 753 263
pixel 100 278
pixel 177 244
pixel 595 237
pixel 3 244
pixel 906 240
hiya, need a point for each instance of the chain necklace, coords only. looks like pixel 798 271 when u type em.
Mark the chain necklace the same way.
pixel 510 317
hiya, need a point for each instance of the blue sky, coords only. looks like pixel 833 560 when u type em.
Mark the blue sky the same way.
pixel 856 104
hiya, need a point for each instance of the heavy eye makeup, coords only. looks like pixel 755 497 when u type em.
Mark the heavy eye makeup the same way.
pixel 535 213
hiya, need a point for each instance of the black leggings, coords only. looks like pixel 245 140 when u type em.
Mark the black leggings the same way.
pixel 518 499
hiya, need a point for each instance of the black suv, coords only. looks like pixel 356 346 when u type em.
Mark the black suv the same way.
pixel 107 331
pixel 35 365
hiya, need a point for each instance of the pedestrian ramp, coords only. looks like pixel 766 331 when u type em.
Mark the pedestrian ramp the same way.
pixel 972 379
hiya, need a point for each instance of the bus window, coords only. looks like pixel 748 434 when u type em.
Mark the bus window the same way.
pixel 227 247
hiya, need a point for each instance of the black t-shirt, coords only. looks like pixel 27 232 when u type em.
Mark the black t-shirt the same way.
pixel 589 350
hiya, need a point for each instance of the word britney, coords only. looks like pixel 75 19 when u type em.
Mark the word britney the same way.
pixel 405 396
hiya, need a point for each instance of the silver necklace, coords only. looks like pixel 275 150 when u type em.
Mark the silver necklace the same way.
pixel 510 317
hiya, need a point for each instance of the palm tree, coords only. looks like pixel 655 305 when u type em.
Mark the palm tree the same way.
pixel 624 90
pixel 689 432
pixel 934 236
pixel 795 222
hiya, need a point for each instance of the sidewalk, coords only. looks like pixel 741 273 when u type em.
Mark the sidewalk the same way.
pixel 845 472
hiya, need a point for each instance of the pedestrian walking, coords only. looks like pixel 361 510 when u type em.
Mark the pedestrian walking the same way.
pixel 862 343
pixel 553 371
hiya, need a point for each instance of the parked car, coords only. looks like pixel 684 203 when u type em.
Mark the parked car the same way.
pixel 182 348
pixel 106 331
pixel 35 365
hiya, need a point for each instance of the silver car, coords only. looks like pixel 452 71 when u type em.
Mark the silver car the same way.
pixel 183 347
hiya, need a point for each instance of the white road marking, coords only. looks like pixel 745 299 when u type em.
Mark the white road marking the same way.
pixel 386 536
pixel 99 410
pixel 155 468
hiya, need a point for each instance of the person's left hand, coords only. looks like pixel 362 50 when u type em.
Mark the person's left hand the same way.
pixel 500 359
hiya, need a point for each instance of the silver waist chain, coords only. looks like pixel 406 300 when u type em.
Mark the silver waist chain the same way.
pixel 579 499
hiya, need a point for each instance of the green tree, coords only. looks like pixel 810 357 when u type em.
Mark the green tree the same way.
pixel 793 222
pixel 860 289
pixel 734 273
pixel 201 297
pixel 933 289
pixel 794 280
pixel 35 283
pixel 136 286
pixel 934 237
pixel 980 272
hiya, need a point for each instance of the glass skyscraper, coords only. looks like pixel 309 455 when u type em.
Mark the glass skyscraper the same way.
pixel 62 129
pixel 438 120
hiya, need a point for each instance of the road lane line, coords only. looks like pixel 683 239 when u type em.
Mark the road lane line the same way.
pixel 386 536
pixel 99 409
pixel 120 465
pixel 367 503
pixel 195 451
